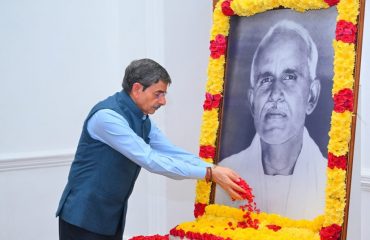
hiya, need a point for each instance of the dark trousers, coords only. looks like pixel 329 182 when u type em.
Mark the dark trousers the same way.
pixel 68 231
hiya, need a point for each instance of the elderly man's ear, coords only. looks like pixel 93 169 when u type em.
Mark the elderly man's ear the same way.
pixel 250 99
pixel 313 96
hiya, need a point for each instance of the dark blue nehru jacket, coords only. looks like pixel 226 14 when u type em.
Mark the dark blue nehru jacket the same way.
pixel 101 179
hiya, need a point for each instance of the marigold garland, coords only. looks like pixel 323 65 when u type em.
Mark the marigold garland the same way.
pixel 221 222
pixel 209 128
pixel 344 62
pixel 340 133
pixel 215 75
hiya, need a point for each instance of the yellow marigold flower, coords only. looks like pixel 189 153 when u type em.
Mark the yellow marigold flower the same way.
pixel 216 70
pixel 334 216
pixel 302 6
pixel 340 133
pixel 209 127
pixel 221 23
pixel 251 7
pixel 344 60
pixel 224 211
pixel 203 189
pixel 348 10
pixel 335 197
pixel 208 134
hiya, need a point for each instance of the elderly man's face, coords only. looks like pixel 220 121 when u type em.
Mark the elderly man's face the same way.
pixel 280 98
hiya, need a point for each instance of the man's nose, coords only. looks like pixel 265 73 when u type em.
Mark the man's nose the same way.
pixel 276 93
pixel 162 100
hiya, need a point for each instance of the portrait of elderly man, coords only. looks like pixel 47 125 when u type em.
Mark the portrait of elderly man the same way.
pixel 284 90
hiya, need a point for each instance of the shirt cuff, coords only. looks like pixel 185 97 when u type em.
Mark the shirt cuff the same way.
pixel 200 172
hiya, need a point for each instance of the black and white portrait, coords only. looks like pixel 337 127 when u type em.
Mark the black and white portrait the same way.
pixel 277 108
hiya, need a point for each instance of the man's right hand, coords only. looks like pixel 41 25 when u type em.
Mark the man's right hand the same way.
pixel 226 178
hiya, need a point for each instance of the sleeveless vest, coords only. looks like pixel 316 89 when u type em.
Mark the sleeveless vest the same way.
pixel 101 179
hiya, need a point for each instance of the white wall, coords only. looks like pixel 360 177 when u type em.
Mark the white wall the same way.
pixel 364 114
pixel 57 58
pixel 55 63
pixel 186 54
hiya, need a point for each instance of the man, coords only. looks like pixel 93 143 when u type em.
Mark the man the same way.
pixel 118 138
pixel 283 164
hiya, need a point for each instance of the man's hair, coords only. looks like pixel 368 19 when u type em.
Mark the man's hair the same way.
pixel 146 72
pixel 289 26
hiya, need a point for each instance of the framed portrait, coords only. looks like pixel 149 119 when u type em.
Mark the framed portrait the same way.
pixel 274 126
pixel 280 109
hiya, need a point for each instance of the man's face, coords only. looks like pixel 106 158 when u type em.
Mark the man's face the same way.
pixel 281 91
pixel 150 99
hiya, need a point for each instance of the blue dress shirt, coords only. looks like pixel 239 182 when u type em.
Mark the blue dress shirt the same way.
pixel 159 156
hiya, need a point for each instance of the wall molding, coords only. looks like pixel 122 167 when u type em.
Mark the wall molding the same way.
pixel 58 158
pixel 365 179
pixel 33 160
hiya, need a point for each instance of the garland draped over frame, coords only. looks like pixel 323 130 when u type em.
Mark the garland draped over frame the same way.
pixel 221 222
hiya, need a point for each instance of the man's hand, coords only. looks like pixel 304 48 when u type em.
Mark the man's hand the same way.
pixel 226 178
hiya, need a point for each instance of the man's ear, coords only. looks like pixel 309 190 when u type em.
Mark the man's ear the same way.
pixel 136 89
pixel 250 100
pixel 313 95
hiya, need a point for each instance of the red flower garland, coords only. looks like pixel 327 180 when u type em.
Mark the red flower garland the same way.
pixel 212 101
pixel 199 209
pixel 194 235
pixel 178 233
pixel 339 162
pixel 207 151
pixel 218 46
pixel 331 232
pixel 343 100
pixel 226 8
pixel 154 237
pixel 345 31
pixel 332 2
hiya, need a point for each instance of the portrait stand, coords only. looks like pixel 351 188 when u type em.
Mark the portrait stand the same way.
pixel 238 76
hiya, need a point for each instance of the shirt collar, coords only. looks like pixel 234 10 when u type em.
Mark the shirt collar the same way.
pixel 132 106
